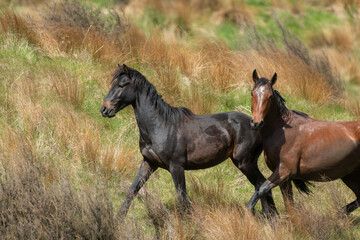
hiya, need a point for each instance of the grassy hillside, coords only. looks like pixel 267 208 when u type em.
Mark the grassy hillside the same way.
pixel 64 169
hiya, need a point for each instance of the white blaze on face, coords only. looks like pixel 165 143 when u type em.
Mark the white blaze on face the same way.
pixel 259 108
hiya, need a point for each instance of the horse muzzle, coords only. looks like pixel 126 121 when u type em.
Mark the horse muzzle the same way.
pixel 256 125
pixel 107 110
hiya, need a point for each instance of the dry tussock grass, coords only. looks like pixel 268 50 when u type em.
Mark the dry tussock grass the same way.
pixel 198 97
pixel 339 44
pixel 80 140
pixel 36 203
pixel 306 220
pixel 343 38
pixel 70 27
pixel 182 69
pixel 209 194
pixel 354 107
pixel 232 222
pixel 12 23
pixel 354 71
pixel 24 109
pixel 236 12
pixel 297 7
pixel 117 160
pixel 67 87
pixel 218 65
pixel 183 13
pixel 313 217
pixel 210 62
pixel 344 3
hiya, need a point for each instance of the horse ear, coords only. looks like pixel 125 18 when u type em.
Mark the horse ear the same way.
pixel 273 79
pixel 255 76
pixel 126 70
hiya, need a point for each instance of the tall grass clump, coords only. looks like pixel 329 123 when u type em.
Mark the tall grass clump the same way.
pixel 67 87
pixel 38 202
pixel 300 73
pixel 12 23
pixel 74 27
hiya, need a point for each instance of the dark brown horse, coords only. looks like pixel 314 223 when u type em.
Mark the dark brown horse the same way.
pixel 175 139
pixel 299 147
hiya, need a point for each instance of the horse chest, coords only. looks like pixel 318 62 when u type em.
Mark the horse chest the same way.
pixel 149 153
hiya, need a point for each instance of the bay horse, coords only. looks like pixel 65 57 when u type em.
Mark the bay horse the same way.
pixel 299 147
pixel 175 139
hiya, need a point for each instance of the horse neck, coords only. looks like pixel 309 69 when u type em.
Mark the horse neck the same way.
pixel 148 116
pixel 277 118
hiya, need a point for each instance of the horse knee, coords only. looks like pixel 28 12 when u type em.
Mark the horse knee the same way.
pixel 264 190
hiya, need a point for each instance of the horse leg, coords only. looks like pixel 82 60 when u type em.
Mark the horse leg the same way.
pixel 178 176
pixel 353 182
pixel 249 167
pixel 287 193
pixel 276 178
pixel 146 169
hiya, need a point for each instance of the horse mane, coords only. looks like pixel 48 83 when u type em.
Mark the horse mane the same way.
pixel 281 102
pixel 170 113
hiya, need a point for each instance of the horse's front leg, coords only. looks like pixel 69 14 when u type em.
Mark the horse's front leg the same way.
pixel 276 178
pixel 146 169
pixel 250 169
pixel 178 176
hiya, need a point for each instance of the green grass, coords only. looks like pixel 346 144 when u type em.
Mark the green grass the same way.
pixel 229 32
pixel 20 59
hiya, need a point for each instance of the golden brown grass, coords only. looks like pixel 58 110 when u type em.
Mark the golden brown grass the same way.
pixel 44 127
pixel 209 62
pixel 67 87
pixel 12 23
pixel 313 217
pixel 341 37
pixel 344 3
pixel 38 202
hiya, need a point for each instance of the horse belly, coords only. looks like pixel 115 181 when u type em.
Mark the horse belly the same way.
pixel 208 153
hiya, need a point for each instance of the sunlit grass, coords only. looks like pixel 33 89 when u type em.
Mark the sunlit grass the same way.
pixel 52 88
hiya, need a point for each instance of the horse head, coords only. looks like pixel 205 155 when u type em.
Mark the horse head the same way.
pixel 262 96
pixel 121 93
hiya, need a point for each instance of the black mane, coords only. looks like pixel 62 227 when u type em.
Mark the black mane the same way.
pixel 281 102
pixel 170 113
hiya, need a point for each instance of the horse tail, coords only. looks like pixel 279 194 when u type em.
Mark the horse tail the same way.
pixel 303 186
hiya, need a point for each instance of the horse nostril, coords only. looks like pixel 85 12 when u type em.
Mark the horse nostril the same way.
pixel 103 110
pixel 252 124
pixel 261 123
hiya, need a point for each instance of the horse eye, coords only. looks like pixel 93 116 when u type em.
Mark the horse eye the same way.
pixel 251 94
pixel 121 85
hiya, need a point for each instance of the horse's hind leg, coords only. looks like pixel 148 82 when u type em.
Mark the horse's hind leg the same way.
pixel 146 169
pixel 353 182
pixel 246 162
